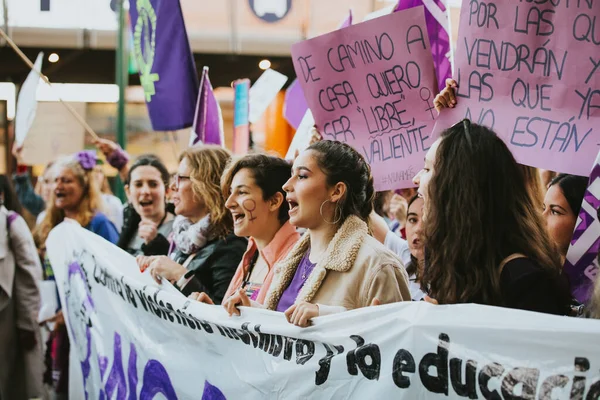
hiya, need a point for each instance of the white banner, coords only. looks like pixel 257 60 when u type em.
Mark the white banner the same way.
pixel 133 340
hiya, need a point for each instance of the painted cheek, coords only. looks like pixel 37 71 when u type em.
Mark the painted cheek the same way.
pixel 249 206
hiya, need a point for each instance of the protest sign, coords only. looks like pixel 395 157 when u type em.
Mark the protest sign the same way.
pixel 301 138
pixel 372 86
pixel 27 102
pixel 131 339
pixel 531 72
pixel 241 124
pixel 54 132
pixel 263 92
pixel 581 264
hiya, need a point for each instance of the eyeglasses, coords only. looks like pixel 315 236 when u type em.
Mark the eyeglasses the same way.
pixel 466 123
pixel 178 178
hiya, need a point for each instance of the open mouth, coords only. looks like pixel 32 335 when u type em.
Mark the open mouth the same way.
pixel 416 242
pixel 238 218
pixel 146 203
pixel 60 195
pixel 293 206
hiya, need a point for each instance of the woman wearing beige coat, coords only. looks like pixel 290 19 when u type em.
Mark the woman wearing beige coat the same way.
pixel 21 361
pixel 336 265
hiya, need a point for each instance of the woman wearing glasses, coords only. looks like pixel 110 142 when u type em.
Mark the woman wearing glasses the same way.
pixel 206 252
pixel 486 240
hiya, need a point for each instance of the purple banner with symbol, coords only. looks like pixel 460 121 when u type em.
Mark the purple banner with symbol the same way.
pixel 582 264
pixel 165 61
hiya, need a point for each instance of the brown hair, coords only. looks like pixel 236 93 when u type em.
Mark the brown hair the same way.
pixel 208 164
pixel 90 203
pixel 533 182
pixel 479 213
pixel 342 163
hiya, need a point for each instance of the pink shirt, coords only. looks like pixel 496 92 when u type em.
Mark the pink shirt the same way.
pixel 285 238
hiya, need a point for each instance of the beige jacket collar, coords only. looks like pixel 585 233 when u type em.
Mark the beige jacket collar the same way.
pixel 340 256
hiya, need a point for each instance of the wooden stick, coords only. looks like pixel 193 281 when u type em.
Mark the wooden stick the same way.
pixel 27 61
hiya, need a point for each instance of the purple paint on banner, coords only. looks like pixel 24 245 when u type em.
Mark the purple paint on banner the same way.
pixel 156 380
pixel 132 373
pixel 165 61
pixel 295 105
pixel 436 17
pixel 208 123
pixel 581 265
pixel 212 392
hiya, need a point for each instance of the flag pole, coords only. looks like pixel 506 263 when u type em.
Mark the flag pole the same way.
pixel 122 78
pixel 27 61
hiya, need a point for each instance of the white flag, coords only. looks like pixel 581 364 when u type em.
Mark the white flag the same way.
pixel 27 103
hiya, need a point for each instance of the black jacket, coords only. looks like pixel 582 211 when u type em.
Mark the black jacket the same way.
pixel 213 266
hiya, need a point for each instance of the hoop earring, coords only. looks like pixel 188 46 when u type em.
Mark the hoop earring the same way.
pixel 337 208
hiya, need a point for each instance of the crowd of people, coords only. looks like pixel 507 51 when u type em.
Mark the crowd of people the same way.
pixel 307 238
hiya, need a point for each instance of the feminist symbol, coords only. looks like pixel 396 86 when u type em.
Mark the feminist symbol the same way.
pixel 426 100
pixel 245 207
pixel 144 41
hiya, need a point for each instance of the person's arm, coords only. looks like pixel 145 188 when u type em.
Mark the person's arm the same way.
pixel 379 227
pixel 115 155
pixel 28 273
pixel 26 195
pixel 388 284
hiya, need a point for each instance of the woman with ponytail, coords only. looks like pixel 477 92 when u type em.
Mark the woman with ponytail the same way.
pixel 336 265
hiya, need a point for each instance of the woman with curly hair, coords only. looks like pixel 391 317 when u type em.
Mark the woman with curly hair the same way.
pixel 206 251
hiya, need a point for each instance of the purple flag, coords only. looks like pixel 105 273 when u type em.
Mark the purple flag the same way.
pixel 208 122
pixel 165 61
pixel 294 104
pixel 436 17
pixel 581 264
pixel 346 22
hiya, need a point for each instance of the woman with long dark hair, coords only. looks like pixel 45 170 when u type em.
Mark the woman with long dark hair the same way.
pixel 148 217
pixel 561 208
pixel 486 240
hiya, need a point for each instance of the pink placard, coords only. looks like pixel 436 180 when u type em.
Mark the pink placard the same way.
pixel 531 72
pixel 372 86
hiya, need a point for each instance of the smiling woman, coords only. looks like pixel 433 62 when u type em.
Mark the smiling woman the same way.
pixel 206 251
pixel 256 200
pixel 76 196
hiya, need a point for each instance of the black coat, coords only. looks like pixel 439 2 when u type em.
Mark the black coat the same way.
pixel 213 266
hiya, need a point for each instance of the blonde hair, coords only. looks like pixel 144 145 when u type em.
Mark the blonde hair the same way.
pixel 91 201
pixel 207 165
